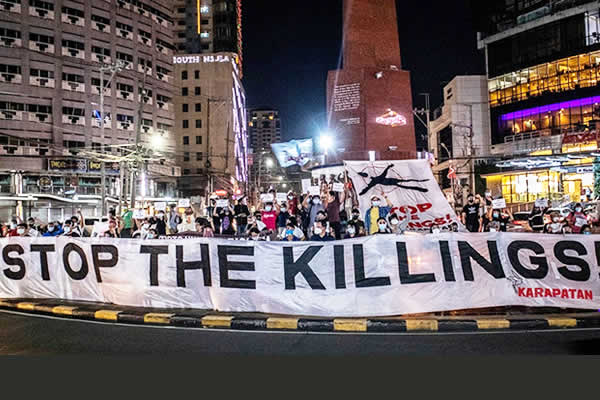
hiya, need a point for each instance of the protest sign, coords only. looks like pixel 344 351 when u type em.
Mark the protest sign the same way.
pixel 419 274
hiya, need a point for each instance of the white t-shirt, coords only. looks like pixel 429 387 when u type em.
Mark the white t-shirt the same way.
pixel 186 227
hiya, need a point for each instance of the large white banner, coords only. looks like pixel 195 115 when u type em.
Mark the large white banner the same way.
pixel 380 275
pixel 409 185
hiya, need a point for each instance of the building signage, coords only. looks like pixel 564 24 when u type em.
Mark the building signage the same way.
pixel 220 58
pixel 391 118
pixel 346 97
pixel 164 170
pixel 81 166
pixel 67 164
pixel 350 121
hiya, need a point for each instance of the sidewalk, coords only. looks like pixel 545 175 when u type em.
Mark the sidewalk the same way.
pixel 192 318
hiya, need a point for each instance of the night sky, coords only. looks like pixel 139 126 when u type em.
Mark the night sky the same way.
pixel 289 48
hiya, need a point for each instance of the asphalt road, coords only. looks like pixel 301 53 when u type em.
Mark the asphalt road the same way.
pixel 23 334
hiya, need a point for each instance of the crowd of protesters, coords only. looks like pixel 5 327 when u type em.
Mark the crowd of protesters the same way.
pixel 327 216
pixel 478 215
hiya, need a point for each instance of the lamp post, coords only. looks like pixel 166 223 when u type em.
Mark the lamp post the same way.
pixel 325 143
pixel 113 69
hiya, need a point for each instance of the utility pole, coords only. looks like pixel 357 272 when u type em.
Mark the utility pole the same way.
pixel 138 137
pixel 113 69
pixel 427 111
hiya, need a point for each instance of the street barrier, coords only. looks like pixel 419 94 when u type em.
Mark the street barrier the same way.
pixel 380 275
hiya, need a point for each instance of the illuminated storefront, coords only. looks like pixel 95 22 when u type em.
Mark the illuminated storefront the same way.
pixel 550 117
pixel 553 184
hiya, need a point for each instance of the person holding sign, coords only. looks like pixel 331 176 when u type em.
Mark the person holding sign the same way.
pixel 376 211
pixel 470 214
pixel 332 206
pixel 536 219
pixel 577 219
pixel 241 213
pixel 312 205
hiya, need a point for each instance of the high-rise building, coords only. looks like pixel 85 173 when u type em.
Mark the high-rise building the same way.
pixel 369 101
pixel 54 57
pixel 460 134
pixel 543 67
pixel 264 128
pixel 211 128
pixel 208 26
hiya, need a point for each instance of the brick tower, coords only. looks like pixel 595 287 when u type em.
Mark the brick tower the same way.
pixel 370 99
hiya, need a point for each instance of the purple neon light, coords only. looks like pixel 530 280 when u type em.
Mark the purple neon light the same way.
pixel 551 107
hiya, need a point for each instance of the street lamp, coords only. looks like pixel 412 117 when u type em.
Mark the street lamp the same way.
pixel 325 143
pixel 269 163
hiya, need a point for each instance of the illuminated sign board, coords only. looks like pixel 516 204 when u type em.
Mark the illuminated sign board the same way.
pixel 220 58
pixel 391 118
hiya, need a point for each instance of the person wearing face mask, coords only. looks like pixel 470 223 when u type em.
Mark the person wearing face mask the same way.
pixel 555 226
pixel 332 206
pixel 142 232
pixel 161 224
pixel 355 219
pixel 289 234
pixel 32 227
pixel 12 228
pixel 269 216
pixel 152 234
pixel 22 230
pixel 586 230
pixel 394 223
pixel 53 229
pixel 254 234
pixel 282 219
pixel 375 212
pixel 255 222
pixel 313 205
pixel 353 231
pixel 536 219
pixel 382 227
pixel 128 222
pixel 188 223
pixel 577 219
pixel 227 222
pixel 241 212
pixel 292 203
pixel 435 229
pixel 320 233
pixel 470 214
pixel 113 230
pixel 69 230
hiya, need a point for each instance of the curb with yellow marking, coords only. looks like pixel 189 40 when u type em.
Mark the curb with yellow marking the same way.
pixel 26 306
pixel 562 322
pixel 107 315
pixel 489 324
pixel 282 323
pixel 350 325
pixel 291 323
pixel 217 321
pixel 63 310
pixel 157 318
pixel 430 325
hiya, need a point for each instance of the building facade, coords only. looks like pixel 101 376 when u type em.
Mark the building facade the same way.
pixel 460 134
pixel 264 129
pixel 54 57
pixel 543 66
pixel 369 101
pixel 211 129
pixel 208 26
